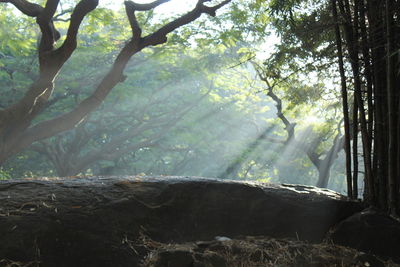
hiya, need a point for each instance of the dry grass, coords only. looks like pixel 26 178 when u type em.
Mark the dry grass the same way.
pixel 260 251
pixel 10 263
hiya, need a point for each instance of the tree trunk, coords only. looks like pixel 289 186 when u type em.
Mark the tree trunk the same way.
pixel 392 111
pixel 16 130
pixel 345 106
pixel 324 173
pixel 355 129
pixel 351 29
pixel 324 166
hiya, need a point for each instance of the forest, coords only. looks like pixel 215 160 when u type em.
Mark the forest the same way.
pixel 300 93
pixel 250 108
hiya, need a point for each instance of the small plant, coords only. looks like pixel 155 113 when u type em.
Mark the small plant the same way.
pixel 4 175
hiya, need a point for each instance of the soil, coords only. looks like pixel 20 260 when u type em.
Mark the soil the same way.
pixel 258 251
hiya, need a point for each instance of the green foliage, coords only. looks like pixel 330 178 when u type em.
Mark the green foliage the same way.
pixel 197 97
pixel 4 175
pixel 17 35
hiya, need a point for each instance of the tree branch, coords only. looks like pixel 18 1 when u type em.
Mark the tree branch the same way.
pixel 61 14
pixel 83 8
pixel 49 33
pixel 289 127
pixel 310 149
pixel 130 12
pixel 27 108
pixel 51 127
pixel 26 7
pixel 160 36
pixel 144 7
pixel 50 61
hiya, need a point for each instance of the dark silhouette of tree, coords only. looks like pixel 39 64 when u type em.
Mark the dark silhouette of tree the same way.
pixel 367 38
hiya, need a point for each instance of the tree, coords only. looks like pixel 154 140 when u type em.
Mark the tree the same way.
pixel 138 122
pixel 168 84
pixel 305 53
pixel 367 33
pixel 18 129
pixel 323 160
pixel 364 40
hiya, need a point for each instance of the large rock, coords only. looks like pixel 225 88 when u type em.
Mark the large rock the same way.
pixel 101 221
pixel 371 232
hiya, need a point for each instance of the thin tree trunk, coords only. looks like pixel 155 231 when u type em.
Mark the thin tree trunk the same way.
pixel 367 70
pixel 391 100
pixel 377 40
pixel 345 105
pixel 352 43
pixel 355 148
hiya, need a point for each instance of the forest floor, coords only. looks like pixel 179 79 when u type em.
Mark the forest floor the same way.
pixel 257 251
pixel 244 252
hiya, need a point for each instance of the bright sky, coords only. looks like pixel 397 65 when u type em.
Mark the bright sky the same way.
pixel 171 8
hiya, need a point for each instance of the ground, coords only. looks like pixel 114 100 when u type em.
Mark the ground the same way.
pixel 257 251
pixel 174 221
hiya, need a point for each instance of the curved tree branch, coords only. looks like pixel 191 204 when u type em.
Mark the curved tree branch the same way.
pixel 64 122
pixel 17 118
pixel 49 33
pixel 16 131
pixel 26 7
pixel 144 7
pixel 81 10
pixel 323 165
pixel 160 36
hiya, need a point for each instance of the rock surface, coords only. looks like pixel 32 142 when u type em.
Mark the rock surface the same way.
pixel 102 221
pixel 371 232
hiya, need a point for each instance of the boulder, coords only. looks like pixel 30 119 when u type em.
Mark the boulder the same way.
pixel 107 221
pixel 369 231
